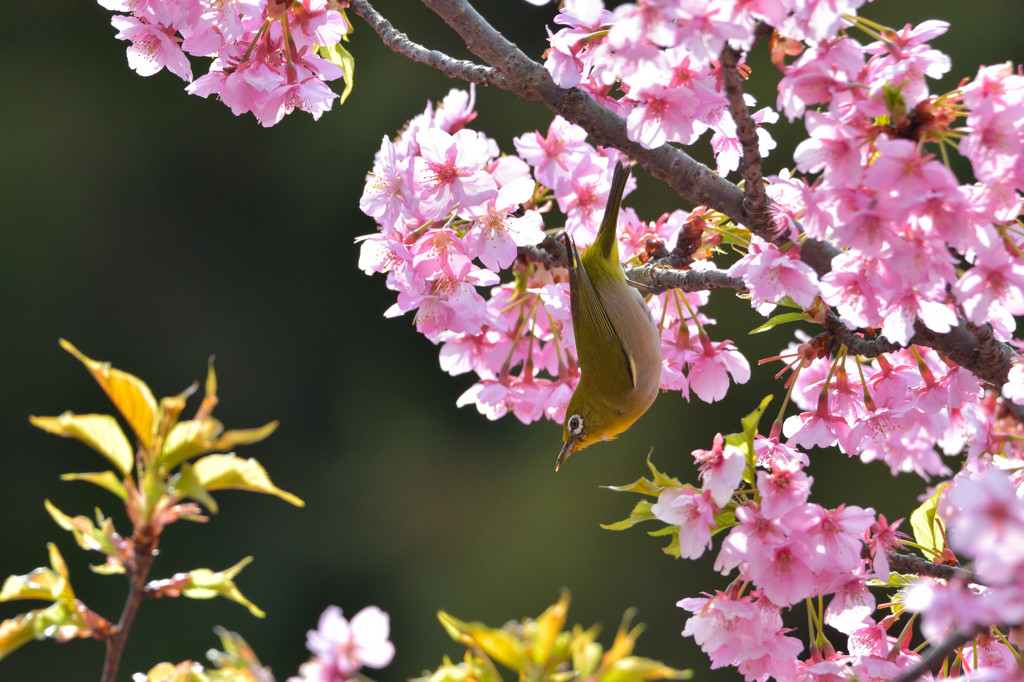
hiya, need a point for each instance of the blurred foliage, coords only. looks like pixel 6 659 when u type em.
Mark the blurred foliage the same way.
pixel 541 650
pixel 154 482
pixel 157 228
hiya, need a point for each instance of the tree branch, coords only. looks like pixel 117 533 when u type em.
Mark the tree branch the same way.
pixel 661 280
pixel 400 43
pixel 910 563
pixel 138 570
pixel 529 80
pixel 972 348
pixel 934 657
pixel 755 199
pixel 551 253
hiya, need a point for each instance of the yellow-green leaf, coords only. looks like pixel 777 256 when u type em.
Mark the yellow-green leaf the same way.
pixel 586 652
pixel 501 645
pixel 781 319
pixel 186 484
pixel 928 526
pixel 18 631
pixel 637 669
pixel 549 625
pixel 48 584
pixel 189 439
pixel 338 55
pixel 60 621
pixel 129 394
pixel 236 657
pixel 206 584
pixel 41 583
pixel 215 472
pixel 87 535
pixel 100 432
pixel 745 439
pixel 641 512
pixel 186 671
pixel 661 480
pixel 625 638
pixel 104 479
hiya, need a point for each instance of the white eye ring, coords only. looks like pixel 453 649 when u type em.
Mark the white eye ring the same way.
pixel 575 424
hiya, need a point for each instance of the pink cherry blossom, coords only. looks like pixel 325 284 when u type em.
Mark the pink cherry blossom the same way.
pixel 721 469
pixel 772 274
pixel 341 647
pixel 784 488
pixel 153 47
pixel 693 512
pixel 450 171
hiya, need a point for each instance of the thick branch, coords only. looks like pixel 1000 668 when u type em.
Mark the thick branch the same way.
pixel 400 43
pixel 529 80
pixel 974 349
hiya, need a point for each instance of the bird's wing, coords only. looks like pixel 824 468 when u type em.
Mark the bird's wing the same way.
pixel 588 309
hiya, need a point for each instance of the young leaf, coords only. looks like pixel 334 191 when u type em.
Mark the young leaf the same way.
pixel 215 472
pixel 129 394
pixel 48 584
pixel 637 669
pixel 42 583
pixel 186 671
pixel 87 535
pixel 104 479
pixel 641 512
pixel 237 658
pixel 781 319
pixel 745 439
pixel 341 57
pixel 927 525
pixel 549 625
pixel 499 644
pixel 186 484
pixel 18 631
pixel 100 432
pixel 206 584
pixel 189 439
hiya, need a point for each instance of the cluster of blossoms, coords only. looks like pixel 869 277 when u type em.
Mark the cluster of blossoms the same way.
pixel 454 213
pixel 462 242
pixel 786 549
pixel 656 64
pixel 270 57
pixel 341 648
pixel 918 248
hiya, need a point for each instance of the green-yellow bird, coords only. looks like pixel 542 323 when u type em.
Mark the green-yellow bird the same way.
pixel 617 342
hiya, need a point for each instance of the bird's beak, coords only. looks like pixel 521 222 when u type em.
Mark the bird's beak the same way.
pixel 568 448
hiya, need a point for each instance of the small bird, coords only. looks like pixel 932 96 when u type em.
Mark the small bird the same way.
pixel 617 341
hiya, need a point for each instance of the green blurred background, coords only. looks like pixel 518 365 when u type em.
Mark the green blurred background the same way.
pixel 154 229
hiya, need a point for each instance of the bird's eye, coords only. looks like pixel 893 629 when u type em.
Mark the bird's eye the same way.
pixel 575 425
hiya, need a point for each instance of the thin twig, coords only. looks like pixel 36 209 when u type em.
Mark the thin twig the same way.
pixel 400 43
pixel 551 253
pixel 933 658
pixel 910 563
pixel 755 199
